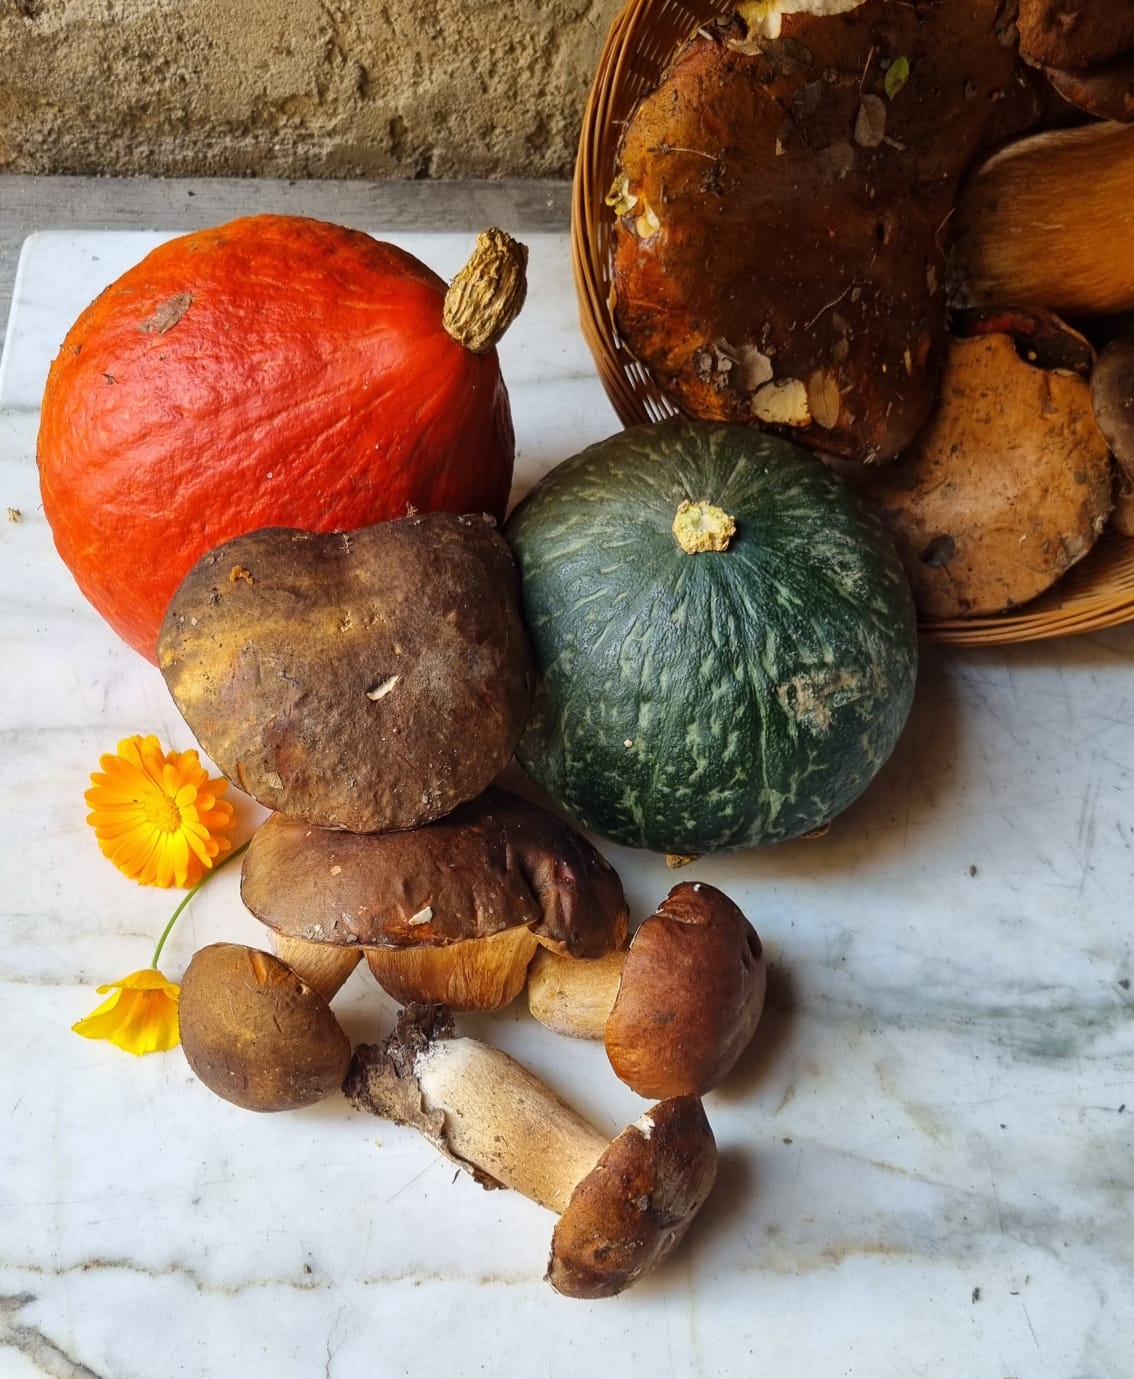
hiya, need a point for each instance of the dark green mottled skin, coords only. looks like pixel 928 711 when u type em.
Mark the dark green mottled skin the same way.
pixel 696 703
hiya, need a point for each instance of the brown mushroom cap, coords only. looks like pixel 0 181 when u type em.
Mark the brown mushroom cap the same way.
pixel 691 995
pixel 780 203
pixel 496 864
pixel 365 680
pixel 637 1202
pixel 1003 491
pixel 256 1034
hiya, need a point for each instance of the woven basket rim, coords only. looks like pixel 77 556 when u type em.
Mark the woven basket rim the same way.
pixel 1095 594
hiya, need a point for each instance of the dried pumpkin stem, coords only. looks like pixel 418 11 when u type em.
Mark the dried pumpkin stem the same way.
pixel 487 294
pixel 702 527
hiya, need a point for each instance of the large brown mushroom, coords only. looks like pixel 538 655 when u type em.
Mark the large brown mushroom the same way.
pixel 256 1034
pixel 623 1204
pixel 452 911
pixel 780 205
pixel 359 680
pixel 677 1008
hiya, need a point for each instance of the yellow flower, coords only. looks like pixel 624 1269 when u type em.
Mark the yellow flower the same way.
pixel 141 1016
pixel 157 815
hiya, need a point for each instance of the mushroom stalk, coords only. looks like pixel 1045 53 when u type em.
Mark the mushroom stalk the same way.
pixel 478 1106
pixel 574 996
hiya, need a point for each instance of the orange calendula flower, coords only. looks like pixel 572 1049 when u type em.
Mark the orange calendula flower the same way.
pixel 157 815
pixel 141 1016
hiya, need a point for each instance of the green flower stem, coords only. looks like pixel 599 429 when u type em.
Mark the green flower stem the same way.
pixel 176 915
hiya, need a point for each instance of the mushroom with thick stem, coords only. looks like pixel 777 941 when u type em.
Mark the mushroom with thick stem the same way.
pixel 450 912
pixel 623 1204
pixel 255 1033
pixel 677 1008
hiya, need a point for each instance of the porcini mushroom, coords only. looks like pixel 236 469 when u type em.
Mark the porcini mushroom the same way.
pixel 623 1204
pixel 255 1033
pixel 363 680
pixel 1006 488
pixel 677 1008
pixel 452 911
pixel 771 263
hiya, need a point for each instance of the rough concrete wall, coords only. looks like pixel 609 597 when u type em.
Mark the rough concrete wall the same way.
pixel 296 88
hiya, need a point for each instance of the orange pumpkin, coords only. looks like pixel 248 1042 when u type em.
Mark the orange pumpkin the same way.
pixel 274 371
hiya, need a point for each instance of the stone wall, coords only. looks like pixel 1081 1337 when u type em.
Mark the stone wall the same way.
pixel 296 88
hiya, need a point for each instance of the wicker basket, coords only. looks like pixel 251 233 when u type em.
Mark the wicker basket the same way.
pixel 1096 593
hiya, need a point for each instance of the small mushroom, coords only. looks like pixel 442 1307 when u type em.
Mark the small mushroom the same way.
pixel 677 1008
pixel 623 1204
pixel 1046 222
pixel 452 911
pixel 256 1034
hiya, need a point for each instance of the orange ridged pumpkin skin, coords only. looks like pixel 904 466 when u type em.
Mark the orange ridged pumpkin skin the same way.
pixel 274 371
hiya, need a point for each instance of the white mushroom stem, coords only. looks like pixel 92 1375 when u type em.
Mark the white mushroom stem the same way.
pixel 478 1106
pixel 574 996
pixel 323 966
pixel 506 1122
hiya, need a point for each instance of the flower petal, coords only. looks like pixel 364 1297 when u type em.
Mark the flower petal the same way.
pixel 156 814
pixel 140 1017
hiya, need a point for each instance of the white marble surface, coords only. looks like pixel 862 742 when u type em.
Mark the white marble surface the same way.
pixel 927 1156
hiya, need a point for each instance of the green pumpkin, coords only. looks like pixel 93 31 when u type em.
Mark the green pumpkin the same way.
pixel 692 701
